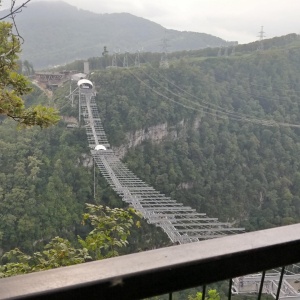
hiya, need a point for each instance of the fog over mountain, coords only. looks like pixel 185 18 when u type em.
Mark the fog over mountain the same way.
pixel 56 33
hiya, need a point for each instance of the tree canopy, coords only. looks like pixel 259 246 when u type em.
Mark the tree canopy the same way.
pixel 238 171
pixel 212 295
pixel 111 229
pixel 13 85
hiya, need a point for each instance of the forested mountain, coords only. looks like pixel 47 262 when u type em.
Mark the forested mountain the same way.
pixel 235 155
pixel 229 143
pixel 57 33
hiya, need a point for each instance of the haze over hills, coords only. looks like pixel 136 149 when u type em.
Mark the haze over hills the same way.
pixel 56 33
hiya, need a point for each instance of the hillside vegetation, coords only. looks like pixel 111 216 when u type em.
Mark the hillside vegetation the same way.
pixel 233 149
pixel 58 33
pixel 242 167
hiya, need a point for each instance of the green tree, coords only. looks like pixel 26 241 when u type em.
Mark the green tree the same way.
pixel 111 230
pixel 13 85
pixel 57 253
pixel 212 295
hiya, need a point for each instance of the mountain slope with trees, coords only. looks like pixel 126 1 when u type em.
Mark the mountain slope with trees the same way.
pixel 57 33
pixel 244 171
pixel 233 150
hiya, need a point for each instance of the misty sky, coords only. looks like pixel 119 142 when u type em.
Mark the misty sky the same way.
pixel 234 20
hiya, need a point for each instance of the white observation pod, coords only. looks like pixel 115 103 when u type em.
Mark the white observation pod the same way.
pixel 85 84
pixel 100 147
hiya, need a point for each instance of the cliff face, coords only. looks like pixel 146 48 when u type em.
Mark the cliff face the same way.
pixel 155 133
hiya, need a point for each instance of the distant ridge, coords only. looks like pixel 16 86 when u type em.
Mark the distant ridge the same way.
pixel 57 33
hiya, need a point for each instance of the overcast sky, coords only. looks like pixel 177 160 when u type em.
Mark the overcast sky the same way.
pixel 234 20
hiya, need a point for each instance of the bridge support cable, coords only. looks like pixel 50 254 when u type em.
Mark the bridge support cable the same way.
pixel 181 223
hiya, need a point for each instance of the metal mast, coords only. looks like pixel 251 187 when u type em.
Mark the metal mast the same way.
pixel 220 51
pixel 164 62
pixel 181 223
pixel 114 61
pixel 137 59
pixel 226 50
pixel 233 50
pixel 125 61
pixel 261 38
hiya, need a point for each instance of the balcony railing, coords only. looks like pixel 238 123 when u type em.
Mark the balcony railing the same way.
pixel 166 270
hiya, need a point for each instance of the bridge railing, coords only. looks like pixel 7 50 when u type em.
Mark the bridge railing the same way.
pixel 162 271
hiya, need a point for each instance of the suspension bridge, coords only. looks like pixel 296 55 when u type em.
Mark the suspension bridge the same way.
pixel 182 224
